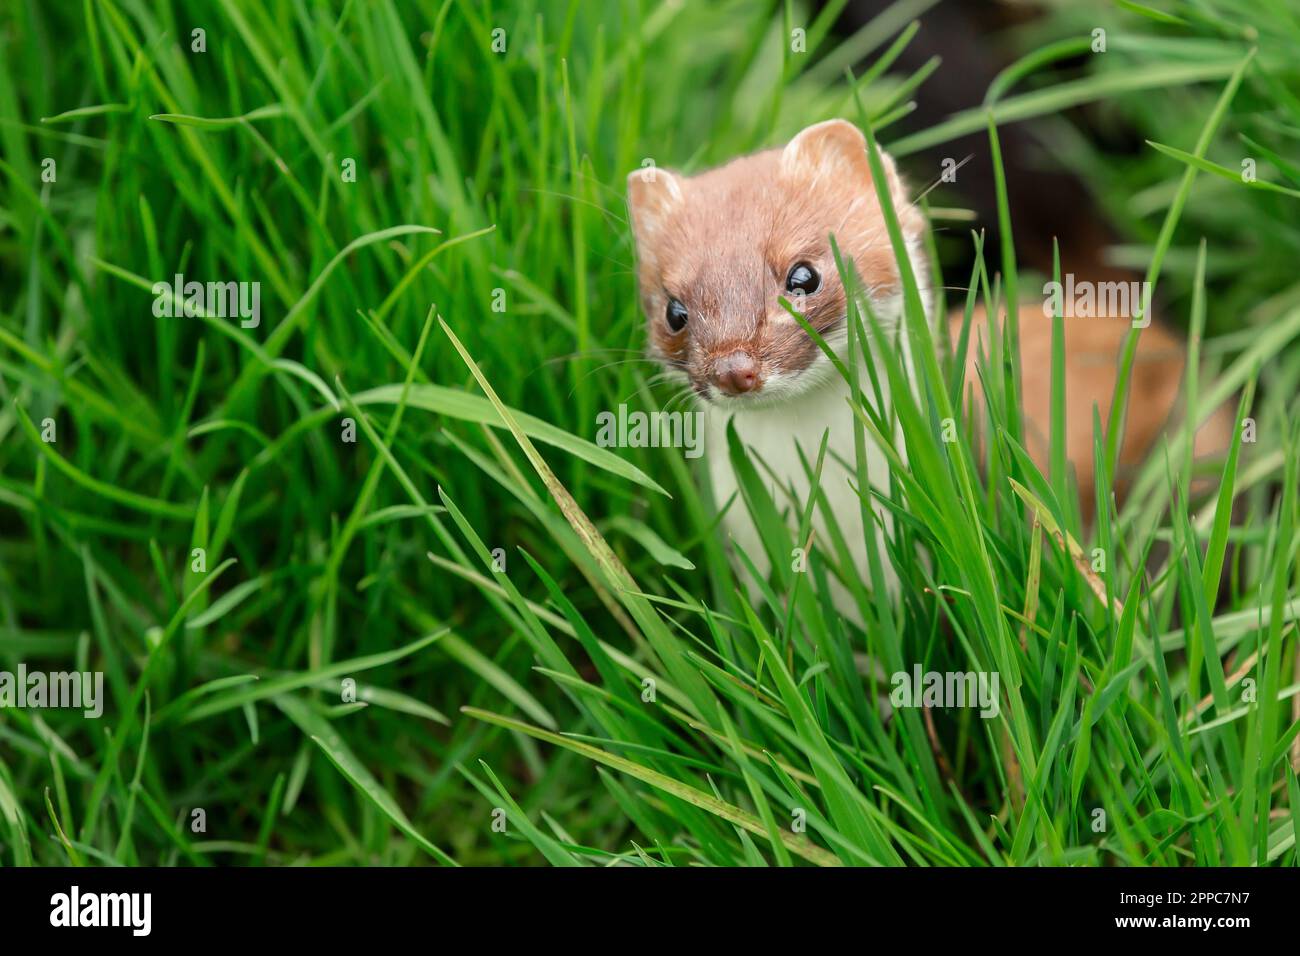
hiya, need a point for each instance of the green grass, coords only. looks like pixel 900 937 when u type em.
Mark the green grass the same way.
pixel 468 303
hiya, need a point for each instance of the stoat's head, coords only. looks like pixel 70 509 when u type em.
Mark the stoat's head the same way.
pixel 717 251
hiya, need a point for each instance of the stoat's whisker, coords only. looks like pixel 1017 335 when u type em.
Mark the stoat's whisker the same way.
pixel 930 188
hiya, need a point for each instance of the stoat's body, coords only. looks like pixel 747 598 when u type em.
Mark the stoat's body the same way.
pixel 717 251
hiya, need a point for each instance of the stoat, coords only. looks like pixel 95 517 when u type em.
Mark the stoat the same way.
pixel 718 250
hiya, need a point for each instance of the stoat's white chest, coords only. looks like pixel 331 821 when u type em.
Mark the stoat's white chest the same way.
pixel 774 435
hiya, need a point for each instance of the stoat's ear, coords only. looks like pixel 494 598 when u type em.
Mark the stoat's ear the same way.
pixel 836 148
pixel 652 195
pixel 836 153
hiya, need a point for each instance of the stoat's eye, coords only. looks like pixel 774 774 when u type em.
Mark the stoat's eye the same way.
pixel 676 315
pixel 802 279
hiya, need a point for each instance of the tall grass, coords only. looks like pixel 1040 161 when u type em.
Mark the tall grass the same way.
pixel 547 635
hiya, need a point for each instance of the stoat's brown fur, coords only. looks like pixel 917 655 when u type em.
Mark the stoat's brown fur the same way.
pixel 1092 357
pixel 721 242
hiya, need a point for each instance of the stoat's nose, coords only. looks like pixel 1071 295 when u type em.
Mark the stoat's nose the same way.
pixel 736 374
